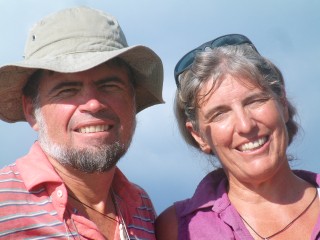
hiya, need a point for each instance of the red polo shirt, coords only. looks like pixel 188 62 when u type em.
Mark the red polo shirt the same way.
pixel 33 204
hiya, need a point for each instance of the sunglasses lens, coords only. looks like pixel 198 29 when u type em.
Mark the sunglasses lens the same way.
pixel 184 64
pixel 233 39
pixel 187 60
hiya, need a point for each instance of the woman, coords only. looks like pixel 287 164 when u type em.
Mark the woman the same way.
pixel 231 103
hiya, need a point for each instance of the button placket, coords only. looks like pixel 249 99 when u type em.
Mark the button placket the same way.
pixel 59 193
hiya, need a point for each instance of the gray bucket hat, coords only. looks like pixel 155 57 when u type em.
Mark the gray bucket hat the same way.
pixel 74 40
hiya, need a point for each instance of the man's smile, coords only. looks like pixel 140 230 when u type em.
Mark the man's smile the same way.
pixel 94 129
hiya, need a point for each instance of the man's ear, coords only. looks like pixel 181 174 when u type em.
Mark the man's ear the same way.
pixel 199 139
pixel 28 110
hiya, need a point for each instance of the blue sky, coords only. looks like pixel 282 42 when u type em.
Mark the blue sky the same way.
pixel 287 32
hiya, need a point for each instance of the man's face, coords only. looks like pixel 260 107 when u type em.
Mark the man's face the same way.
pixel 86 120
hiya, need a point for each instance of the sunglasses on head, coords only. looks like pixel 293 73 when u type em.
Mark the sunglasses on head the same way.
pixel 186 61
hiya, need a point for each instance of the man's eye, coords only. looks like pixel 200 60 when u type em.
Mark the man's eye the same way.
pixel 66 91
pixel 106 85
pixel 110 87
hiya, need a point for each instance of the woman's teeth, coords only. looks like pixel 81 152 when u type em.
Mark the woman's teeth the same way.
pixel 253 145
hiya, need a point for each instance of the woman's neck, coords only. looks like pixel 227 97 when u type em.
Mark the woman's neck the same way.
pixel 282 188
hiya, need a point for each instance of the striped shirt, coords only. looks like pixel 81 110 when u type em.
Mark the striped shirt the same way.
pixel 33 204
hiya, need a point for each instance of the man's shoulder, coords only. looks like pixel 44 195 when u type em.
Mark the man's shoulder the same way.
pixel 9 172
pixel 11 183
pixel 145 198
pixel 127 189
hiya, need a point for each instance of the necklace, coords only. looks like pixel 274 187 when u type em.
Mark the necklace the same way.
pixel 123 232
pixel 124 235
pixel 86 205
pixel 287 226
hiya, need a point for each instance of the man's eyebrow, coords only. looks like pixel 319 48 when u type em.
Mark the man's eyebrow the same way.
pixel 79 83
pixel 110 79
pixel 65 84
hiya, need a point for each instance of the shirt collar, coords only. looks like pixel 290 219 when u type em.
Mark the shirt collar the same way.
pixel 35 168
pixel 212 191
pixel 308 176
pixel 125 189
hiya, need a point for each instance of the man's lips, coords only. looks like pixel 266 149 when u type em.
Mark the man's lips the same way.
pixel 94 128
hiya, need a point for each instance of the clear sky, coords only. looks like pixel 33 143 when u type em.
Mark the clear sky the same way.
pixel 287 32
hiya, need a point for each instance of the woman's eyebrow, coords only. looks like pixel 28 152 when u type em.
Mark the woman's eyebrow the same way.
pixel 256 95
pixel 250 97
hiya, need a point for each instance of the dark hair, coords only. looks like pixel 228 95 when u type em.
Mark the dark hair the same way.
pixel 31 88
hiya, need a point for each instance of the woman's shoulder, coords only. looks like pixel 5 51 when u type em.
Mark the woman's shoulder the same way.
pixel 166 225
pixel 311 177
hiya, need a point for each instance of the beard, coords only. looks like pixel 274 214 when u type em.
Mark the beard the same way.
pixel 88 160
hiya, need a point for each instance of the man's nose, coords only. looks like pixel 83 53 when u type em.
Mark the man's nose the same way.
pixel 91 102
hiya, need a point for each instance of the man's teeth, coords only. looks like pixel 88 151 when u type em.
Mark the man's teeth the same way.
pixel 94 129
pixel 253 145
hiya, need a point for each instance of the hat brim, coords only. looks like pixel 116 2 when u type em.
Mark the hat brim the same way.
pixel 146 66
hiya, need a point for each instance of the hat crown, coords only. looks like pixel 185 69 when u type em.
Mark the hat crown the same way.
pixel 74 30
pixel 75 40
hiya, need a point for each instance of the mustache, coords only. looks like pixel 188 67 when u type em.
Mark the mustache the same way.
pixel 101 115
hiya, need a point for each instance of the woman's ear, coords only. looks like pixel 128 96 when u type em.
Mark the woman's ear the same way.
pixel 285 108
pixel 28 109
pixel 199 139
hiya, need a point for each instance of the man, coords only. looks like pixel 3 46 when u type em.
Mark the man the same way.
pixel 80 87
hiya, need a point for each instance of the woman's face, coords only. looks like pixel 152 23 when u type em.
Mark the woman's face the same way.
pixel 244 126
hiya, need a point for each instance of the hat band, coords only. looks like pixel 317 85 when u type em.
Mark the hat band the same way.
pixel 81 44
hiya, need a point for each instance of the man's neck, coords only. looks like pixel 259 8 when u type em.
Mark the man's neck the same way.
pixel 88 187
pixel 91 194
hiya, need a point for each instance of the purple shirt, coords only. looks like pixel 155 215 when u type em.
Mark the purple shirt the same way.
pixel 209 212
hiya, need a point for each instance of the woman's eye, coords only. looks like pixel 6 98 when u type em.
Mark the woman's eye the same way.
pixel 258 101
pixel 218 116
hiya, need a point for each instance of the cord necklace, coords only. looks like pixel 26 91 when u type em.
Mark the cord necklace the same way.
pixel 86 205
pixel 287 226
pixel 123 232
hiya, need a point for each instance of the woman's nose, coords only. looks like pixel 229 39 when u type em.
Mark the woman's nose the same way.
pixel 244 122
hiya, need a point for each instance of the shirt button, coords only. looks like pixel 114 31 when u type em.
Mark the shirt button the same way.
pixel 59 193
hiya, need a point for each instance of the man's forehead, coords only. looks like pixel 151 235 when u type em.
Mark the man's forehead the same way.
pixel 107 68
